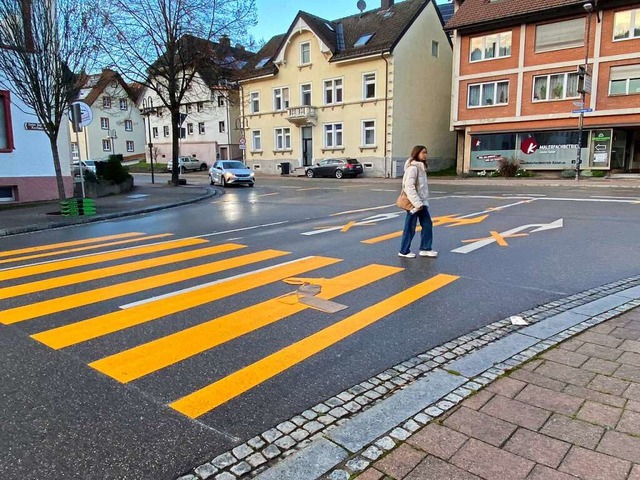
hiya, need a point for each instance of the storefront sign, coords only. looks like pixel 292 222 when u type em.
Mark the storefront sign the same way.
pixel 601 147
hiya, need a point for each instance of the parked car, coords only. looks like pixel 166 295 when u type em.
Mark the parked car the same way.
pixel 231 172
pixel 335 167
pixel 188 164
pixel 87 165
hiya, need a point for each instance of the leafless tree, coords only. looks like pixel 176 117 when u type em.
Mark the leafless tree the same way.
pixel 42 44
pixel 162 43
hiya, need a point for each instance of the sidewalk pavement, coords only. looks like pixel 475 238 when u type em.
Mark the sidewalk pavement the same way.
pixel 572 412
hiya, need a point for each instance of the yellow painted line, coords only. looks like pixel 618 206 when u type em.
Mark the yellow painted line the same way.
pixel 75 278
pixel 211 396
pixel 388 236
pixel 112 322
pixel 60 304
pixel 53 246
pixel 150 357
pixel 269 194
pixel 98 258
pixel 83 249
pixel 383 207
pixel 307 189
pixel 347 227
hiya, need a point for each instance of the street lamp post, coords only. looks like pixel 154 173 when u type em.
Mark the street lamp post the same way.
pixel 583 74
pixel 147 108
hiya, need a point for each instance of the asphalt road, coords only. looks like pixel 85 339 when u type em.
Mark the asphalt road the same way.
pixel 142 363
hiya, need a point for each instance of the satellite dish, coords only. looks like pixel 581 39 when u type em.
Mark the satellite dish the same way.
pixel 361 5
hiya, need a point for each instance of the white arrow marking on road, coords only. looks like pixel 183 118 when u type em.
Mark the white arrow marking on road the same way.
pixel 367 221
pixel 539 227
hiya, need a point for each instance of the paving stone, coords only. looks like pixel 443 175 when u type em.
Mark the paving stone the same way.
pixel 371 474
pixel 573 431
pixel 422 418
pixel 299 435
pixel 549 400
pixel 599 339
pixel 620 445
pixel 385 443
pixel 571 345
pixel 625 333
pixel 313 427
pixel 532 365
pixel 321 408
pixel 507 387
pixel 479 425
pixel 272 451
pixel 206 471
pixel 357 464
pixel 598 351
pixel 475 402
pixel 536 379
pixel 599 414
pixel 286 442
pixel 597 365
pixel 256 459
pixel 540 472
pixel 241 468
pixel 633 405
pixel 635 473
pixel 490 462
pixel 630 358
pixel 223 460
pixel 629 423
pixel 188 477
pixel 590 465
pixel 401 461
pixel 438 440
pixel 411 426
pixel 628 372
pixel 630 346
pixel 604 329
pixel 565 357
pixel 225 476
pixel 432 468
pixel 399 434
pixel 587 393
pixel 310 414
pixel 242 451
pixel 536 447
pixel 339 475
pixel 613 386
pixel 372 453
pixel 565 373
pixel 516 412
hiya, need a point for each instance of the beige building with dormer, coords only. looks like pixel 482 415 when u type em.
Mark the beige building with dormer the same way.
pixel 368 86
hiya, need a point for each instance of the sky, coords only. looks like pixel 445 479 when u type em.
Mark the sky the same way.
pixel 275 16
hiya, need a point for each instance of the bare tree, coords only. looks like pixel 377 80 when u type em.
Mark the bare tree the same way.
pixel 162 43
pixel 42 44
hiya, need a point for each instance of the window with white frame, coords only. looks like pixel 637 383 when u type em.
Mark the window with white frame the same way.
pixel 283 138
pixel 280 98
pixel 189 108
pixel 256 140
pixel 106 102
pixel 369 86
pixel 200 106
pixel 124 104
pixel 305 53
pixel 106 145
pixel 128 125
pixel 130 146
pixel 221 127
pixel 255 102
pixel 435 48
pixel 154 131
pixel 75 151
pixel 626 24
pixel 201 130
pixel 496 45
pixel 165 130
pixel 368 133
pixel 305 94
pixel 333 135
pixel 190 128
pixel 333 91
pixel 6 130
pixel 488 94
pixel 559 35
pixel 624 80
pixel 556 86
pixel 104 123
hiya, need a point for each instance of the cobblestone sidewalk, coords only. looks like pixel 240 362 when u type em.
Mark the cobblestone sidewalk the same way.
pixel 572 412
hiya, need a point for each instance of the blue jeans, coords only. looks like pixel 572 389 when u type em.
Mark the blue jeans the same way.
pixel 409 231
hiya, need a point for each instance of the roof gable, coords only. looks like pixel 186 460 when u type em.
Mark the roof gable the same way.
pixel 96 84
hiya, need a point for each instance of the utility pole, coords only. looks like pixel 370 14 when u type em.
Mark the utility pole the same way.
pixel 584 85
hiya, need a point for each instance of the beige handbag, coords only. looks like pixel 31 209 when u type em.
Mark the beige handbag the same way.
pixel 403 201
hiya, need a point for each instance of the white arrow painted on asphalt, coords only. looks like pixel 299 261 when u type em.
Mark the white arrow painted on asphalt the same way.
pixel 367 221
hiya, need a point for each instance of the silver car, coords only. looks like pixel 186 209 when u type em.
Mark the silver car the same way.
pixel 231 172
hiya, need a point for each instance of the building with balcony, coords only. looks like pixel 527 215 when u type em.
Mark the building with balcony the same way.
pixel 519 90
pixel 369 86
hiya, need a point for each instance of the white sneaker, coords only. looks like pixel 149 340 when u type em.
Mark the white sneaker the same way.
pixel 428 253
pixel 407 255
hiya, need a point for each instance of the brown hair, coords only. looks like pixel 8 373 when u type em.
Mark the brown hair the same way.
pixel 416 151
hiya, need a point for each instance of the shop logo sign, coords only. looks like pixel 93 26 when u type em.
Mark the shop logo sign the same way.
pixel 529 145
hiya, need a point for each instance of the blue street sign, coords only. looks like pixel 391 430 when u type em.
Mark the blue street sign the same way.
pixel 582 110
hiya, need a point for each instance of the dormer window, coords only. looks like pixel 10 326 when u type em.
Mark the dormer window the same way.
pixel 329 26
pixel 262 62
pixel 363 40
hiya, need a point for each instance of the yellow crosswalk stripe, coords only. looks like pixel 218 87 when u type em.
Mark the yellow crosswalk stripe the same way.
pixel 152 356
pixel 388 236
pixel 53 246
pixel 97 258
pixel 60 304
pixel 75 278
pixel 213 395
pixel 112 322
pixel 83 249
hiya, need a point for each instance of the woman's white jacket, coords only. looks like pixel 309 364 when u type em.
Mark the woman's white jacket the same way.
pixel 414 182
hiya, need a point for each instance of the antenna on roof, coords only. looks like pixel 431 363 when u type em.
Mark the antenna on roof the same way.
pixel 361 6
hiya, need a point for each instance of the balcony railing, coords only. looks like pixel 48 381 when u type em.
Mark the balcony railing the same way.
pixel 304 115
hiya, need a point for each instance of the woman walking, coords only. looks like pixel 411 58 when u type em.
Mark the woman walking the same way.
pixel 414 183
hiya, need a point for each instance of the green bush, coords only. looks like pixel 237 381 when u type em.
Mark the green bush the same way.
pixel 508 166
pixel 568 173
pixel 112 170
pixel 598 173
pixel 524 173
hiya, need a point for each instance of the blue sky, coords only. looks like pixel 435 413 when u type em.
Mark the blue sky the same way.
pixel 275 16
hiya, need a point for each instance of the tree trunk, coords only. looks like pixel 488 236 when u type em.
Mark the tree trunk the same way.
pixel 56 165
pixel 175 147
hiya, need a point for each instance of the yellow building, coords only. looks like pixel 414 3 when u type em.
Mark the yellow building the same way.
pixel 369 86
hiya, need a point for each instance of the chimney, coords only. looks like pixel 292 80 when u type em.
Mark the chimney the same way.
pixel 386 4
pixel 225 42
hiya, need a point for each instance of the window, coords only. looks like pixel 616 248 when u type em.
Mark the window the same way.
pixel 496 45
pixel 190 128
pixel 130 146
pixel 155 132
pixel 558 86
pixel 200 106
pixel 262 62
pixel 255 102
pixel 75 151
pixel 124 105
pixel 106 145
pixel 6 131
pixel 368 133
pixel 363 40
pixel 201 128
pixel 487 94
pixel 305 94
pixel 333 91
pixel 305 53
pixel 280 98
pixel 626 24
pixel 220 101
pixel 128 125
pixel 104 123
pixel 189 108
pixel 165 130
pixel 106 102
pixel 256 141
pixel 333 135
pixel 435 48
pixel 221 127
pixel 160 111
pixel 369 85
pixel 283 138
pixel 624 80
pixel 554 36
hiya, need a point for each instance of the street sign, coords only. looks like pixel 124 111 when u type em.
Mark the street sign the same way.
pixel 579 104
pixel 582 110
pixel 86 115
pixel 243 143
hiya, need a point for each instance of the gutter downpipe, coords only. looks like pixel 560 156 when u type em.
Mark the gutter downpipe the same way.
pixel 242 132
pixel 386 109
